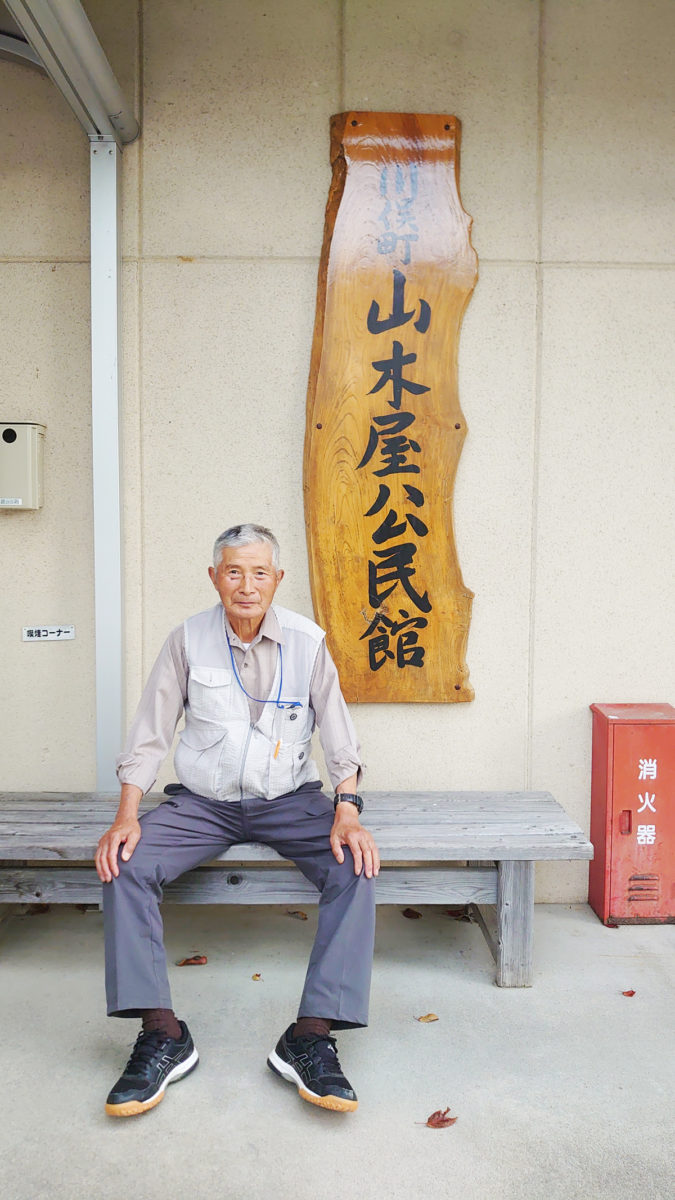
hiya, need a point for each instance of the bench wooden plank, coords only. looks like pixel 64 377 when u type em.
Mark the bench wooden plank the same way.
pixel 422 826
pixel 445 849
pixel 284 885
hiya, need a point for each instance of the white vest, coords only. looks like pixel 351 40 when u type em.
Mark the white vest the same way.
pixel 220 753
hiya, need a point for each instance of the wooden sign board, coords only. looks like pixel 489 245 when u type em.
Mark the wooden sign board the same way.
pixel 384 426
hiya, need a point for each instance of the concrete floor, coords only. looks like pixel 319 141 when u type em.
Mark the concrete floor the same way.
pixel 564 1091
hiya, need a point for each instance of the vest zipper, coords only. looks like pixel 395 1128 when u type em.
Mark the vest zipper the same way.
pixel 243 762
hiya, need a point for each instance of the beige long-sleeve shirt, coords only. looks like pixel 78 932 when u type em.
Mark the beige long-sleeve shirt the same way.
pixel 164 695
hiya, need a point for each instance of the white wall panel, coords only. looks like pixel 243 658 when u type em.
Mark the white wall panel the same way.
pixel 475 59
pixel 609 114
pixel 46 557
pixel 237 105
pixel 606 514
pixel 481 744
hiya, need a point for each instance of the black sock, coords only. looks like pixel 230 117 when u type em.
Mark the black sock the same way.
pixel 161 1020
pixel 311 1027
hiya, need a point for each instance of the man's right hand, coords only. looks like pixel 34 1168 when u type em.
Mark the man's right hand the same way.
pixel 125 832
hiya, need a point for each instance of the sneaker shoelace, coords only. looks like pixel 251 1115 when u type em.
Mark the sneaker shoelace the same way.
pixel 145 1051
pixel 323 1052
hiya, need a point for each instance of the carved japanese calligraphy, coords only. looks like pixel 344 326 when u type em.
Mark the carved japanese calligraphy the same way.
pixel 384 426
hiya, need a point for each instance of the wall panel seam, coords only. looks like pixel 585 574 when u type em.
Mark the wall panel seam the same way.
pixel 537 400
pixel 32 260
pixel 342 66
pixel 187 259
pixel 140 337
pixel 547 264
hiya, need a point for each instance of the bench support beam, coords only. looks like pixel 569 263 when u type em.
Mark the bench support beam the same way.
pixel 253 885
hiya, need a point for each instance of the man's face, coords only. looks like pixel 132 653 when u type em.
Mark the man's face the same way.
pixel 246 581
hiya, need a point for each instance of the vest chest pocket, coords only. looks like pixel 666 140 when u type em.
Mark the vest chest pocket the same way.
pixel 294 725
pixel 210 693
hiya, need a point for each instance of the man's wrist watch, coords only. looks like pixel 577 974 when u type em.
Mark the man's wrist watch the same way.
pixel 348 798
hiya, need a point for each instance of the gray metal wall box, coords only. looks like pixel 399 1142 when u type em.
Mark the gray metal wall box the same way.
pixel 21 465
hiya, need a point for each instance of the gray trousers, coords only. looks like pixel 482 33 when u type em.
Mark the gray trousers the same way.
pixel 187 830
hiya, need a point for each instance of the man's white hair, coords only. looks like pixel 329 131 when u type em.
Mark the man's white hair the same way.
pixel 245 535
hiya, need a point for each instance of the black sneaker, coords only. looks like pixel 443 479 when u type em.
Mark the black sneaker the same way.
pixel 156 1061
pixel 312 1064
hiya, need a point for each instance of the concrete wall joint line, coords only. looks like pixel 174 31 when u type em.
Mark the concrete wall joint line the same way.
pixel 141 374
pixel 342 25
pixel 547 264
pixel 615 265
pixel 142 462
pixel 187 259
pixel 39 260
pixel 537 382
pixel 140 93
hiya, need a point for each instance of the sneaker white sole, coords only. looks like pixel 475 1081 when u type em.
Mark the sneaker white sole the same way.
pixel 131 1108
pixel 334 1103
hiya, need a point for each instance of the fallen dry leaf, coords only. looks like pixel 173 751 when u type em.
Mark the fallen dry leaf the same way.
pixel 427 1019
pixel 297 913
pixel 256 977
pixel 631 993
pixel 440 1119
pixel 411 913
pixel 458 914
pixel 193 960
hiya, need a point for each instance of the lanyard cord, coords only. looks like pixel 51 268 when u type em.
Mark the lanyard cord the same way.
pixel 278 702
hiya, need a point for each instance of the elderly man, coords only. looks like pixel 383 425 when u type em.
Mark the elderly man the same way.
pixel 253 679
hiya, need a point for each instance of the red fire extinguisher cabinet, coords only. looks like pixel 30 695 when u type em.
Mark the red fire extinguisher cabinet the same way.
pixel 632 877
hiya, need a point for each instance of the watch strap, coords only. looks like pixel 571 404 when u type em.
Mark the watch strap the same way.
pixel 348 798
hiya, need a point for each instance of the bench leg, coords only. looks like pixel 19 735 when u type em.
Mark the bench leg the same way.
pixel 515 918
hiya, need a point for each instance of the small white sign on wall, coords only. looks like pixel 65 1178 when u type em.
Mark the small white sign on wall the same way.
pixel 48 633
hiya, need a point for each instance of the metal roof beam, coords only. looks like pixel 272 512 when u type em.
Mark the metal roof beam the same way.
pixel 15 49
pixel 62 37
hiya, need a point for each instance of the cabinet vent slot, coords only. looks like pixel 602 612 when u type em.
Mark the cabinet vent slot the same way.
pixel 643 888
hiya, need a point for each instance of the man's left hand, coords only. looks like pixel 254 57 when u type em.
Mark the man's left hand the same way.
pixel 348 831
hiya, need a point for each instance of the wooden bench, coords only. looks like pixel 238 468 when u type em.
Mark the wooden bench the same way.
pixel 468 848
